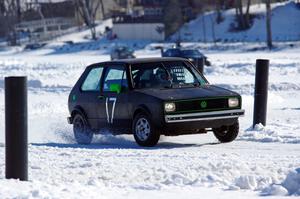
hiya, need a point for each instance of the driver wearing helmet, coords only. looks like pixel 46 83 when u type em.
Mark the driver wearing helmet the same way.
pixel 162 77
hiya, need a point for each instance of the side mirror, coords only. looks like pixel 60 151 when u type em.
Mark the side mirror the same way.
pixel 116 88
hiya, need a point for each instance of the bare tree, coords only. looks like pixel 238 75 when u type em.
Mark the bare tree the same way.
pixel 242 18
pixel 219 17
pixel 173 17
pixel 203 27
pixel 240 13
pixel 9 13
pixel 88 10
pixel 268 24
pixel 19 13
pixel 247 15
pixel 102 9
pixel 213 31
pixel 2 7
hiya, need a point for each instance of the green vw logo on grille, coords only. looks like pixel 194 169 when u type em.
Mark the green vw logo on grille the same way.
pixel 203 104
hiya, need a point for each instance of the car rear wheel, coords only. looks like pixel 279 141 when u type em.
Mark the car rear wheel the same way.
pixel 145 134
pixel 82 132
pixel 227 133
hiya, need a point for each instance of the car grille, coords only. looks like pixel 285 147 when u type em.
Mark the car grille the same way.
pixel 199 105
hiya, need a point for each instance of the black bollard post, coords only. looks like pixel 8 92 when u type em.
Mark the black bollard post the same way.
pixel 16 151
pixel 261 92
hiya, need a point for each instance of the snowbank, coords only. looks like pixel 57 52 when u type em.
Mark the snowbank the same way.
pixel 292 182
pixel 275 190
pixel 269 133
pixel 290 186
pixel 115 167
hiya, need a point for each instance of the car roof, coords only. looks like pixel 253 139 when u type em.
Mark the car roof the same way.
pixel 142 60
pixel 189 50
pixel 182 49
pixel 174 49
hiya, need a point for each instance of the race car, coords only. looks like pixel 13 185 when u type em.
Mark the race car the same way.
pixel 151 97
pixel 193 55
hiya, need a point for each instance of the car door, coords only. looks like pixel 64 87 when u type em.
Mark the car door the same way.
pixel 89 94
pixel 113 110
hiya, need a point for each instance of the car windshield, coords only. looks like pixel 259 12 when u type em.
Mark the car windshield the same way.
pixel 191 53
pixel 166 75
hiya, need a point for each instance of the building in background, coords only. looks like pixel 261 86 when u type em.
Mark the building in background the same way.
pixel 144 19
pixel 154 8
pixel 40 20
pixel 44 20
pixel 139 29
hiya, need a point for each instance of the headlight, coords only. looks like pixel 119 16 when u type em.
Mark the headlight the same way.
pixel 170 107
pixel 233 102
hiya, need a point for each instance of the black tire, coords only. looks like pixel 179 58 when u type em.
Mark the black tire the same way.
pixel 82 132
pixel 142 136
pixel 227 133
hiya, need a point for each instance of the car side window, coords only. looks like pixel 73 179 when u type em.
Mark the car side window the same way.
pixel 92 81
pixel 115 75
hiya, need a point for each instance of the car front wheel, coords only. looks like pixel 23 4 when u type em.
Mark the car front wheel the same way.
pixel 144 132
pixel 227 133
pixel 82 132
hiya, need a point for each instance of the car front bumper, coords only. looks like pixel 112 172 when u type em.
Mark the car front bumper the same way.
pixel 204 116
pixel 194 123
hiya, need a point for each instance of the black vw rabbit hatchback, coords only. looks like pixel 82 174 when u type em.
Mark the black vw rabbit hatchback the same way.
pixel 151 97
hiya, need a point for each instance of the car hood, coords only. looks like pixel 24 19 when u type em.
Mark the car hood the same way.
pixel 188 93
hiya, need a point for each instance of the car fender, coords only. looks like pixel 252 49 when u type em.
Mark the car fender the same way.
pixel 156 121
pixel 142 108
pixel 79 110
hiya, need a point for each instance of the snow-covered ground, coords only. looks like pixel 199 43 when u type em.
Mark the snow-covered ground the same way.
pixel 262 161
pixel 285 25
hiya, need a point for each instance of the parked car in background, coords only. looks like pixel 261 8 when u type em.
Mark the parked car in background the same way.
pixel 34 46
pixel 149 98
pixel 193 55
pixel 122 52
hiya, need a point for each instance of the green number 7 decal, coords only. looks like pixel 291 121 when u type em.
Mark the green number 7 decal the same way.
pixel 114 100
